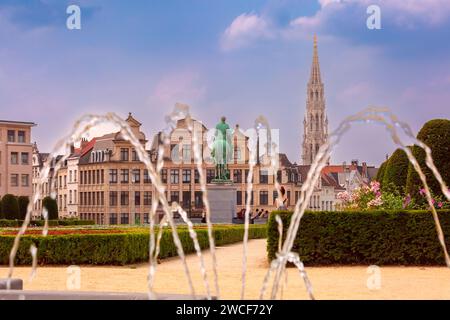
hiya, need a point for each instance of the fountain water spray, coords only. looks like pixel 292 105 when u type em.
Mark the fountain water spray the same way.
pixel 390 122
pixel 83 125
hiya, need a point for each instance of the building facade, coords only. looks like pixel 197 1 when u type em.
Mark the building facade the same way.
pixel 15 158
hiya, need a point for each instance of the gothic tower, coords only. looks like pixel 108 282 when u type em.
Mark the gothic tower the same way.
pixel 315 122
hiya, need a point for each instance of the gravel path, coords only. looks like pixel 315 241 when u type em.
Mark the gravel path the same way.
pixel 340 282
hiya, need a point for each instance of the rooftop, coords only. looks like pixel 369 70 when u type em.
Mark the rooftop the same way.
pixel 25 123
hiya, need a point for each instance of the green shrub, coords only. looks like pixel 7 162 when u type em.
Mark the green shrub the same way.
pixel 23 202
pixel 115 248
pixel 74 222
pixel 370 237
pixel 396 170
pixel 40 223
pixel 52 207
pixel 10 207
pixel 435 134
pixel 380 173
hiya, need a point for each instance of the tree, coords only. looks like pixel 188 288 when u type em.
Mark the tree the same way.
pixel 1 211
pixel 10 207
pixel 23 206
pixel 396 170
pixel 380 172
pixel 52 207
pixel 436 135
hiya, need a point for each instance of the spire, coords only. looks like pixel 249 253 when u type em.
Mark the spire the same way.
pixel 315 68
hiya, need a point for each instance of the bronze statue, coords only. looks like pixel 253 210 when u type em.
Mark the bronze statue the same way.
pixel 222 151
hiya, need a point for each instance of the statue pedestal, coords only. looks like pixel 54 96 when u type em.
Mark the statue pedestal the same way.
pixel 222 201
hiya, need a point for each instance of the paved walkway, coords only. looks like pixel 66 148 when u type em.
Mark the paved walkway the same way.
pixel 348 282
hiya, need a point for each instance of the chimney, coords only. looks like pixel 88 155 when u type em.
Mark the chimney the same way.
pixel 364 170
pixel 72 149
pixel 83 144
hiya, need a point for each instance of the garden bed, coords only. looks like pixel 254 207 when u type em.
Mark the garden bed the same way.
pixel 114 246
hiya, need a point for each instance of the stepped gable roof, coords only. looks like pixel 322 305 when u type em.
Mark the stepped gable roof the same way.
pixel 284 160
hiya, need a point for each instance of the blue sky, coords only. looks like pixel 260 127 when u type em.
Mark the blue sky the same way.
pixel 239 58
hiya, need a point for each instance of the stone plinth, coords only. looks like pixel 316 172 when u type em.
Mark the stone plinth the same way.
pixel 222 201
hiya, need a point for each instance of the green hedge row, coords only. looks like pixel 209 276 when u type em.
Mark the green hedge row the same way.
pixel 372 237
pixel 115 249
pixel 53 223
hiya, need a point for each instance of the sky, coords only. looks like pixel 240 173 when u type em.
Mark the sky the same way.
pixel 238 58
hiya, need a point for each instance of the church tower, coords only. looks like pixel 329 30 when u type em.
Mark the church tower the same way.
pixel 315 123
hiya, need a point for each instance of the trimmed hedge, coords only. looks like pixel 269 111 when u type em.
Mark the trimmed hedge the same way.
pixel 51 223
pixel 10 207
pixel 436 134
pixel 380 173
pixel 396 170
pixel 116 249
pixel 371 237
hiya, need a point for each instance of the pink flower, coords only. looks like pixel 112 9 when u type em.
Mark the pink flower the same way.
pixel 374 186
pixel 422 191
pixel 440 204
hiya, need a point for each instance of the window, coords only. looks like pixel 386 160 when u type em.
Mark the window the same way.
pixel 24 157
pixel 136 176
pixel 237 176
pixel 239 198
pixel 186 199
pixel 251 198
pixel 124 198
pixel 263 198
pixel 124 173
pixel 25 180
pixel 146 177
pixel 11 136
pixel 147 198
pixel 113 198
pixel 198 195
pixel 14 158
pixel 174 152
pixel 113 218
pixel 237 154
pixel 14 180
pixel 134 155
pixel 174 176
pixel 186 175
pixel 137 198
pixel 145 217
pixel 209 175
pixel 196 176
pixel 187 153
pixel 263 176
pixel 174 196
pixel 288 195
pixel 21 136
pixel 279 176
pixel 247 172
pixel 124 154
pixel 124 218
pixel 275 195
pixel 164 175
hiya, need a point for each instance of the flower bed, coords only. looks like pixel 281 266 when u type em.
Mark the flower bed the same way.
pixel 127 245
pixel 366 237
